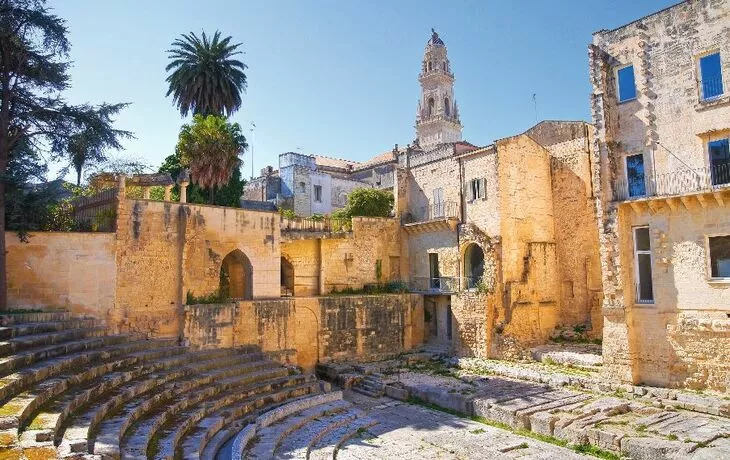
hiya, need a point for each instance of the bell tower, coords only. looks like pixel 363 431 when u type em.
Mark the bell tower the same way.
pixel 437 118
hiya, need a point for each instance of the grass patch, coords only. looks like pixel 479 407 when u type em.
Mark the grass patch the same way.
pixel 672 437
pixel 583 448
pixel 640 428
pixel 596 452
pixel 477 431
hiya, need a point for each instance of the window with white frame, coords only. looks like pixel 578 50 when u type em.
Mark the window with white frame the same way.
pixel 642 265
pixel 719 247
pixel 719 152
pixel 710 72
pixel 477 189
pixel 626 83
pixel 318 193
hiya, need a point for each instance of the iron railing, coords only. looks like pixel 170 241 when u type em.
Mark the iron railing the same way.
pixel 434 285
pixel 675 183
pixel 315 224
pixel 434 211
pixel 711 88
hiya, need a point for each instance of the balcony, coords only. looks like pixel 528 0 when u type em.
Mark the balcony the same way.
pixel 681 185
pixel 439 216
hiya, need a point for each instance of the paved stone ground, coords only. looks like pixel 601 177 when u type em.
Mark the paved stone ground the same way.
pixel 405 431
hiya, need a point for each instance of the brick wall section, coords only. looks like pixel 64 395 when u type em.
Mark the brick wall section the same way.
pixel 75 271
pixel 670 126
pixel 307 328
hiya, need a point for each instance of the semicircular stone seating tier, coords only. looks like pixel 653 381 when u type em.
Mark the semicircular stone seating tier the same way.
pixel 71 389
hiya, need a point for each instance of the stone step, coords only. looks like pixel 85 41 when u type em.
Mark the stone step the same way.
pixel 66 393
pixel 133 402
pixel 270 417
pixel 264 396
pixel 268 439
pixel 54 360
pixel 276 424
pixel 23 329
pixel 8 319
pixel 79 348
pixel 367 392
pixel 296 444
pixel 136 440
pixel 326 448
pixel 205 439
pixel 42 339
pixel 88 417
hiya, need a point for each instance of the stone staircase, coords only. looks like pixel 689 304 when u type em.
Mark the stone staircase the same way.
pixel 371 385
pixel 70 389
pixel 311 427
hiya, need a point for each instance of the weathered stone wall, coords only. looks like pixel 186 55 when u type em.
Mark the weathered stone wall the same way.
pixel 328 262
pixel 678 341
pixel 75 271
pixel 670 125
pixel 528 250
pixel 306 330
pixel 484 213
pixel 166 250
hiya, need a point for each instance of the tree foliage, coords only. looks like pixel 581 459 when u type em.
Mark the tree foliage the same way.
pixel 211 147
pixel 206 78
pixel 34 116
pixel 367 202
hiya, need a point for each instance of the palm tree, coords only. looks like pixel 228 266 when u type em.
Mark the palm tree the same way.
pixel 211 148
pixel 205 78
pixel 82 153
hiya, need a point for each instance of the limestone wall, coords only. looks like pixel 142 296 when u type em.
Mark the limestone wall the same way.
pixel 670 125
pixel 75 271
pixel 166 250
pixel 681 338
pixel 310 329
pixel 338 261
pixel 529 267
pixel 483 212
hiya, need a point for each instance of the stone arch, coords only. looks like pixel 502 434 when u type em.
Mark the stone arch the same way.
pixel 447 107
pixel 431 104
pixel 473 265
pixel 287 277
pixel 236 276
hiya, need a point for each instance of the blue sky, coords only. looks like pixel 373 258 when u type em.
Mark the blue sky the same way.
pixel 339 78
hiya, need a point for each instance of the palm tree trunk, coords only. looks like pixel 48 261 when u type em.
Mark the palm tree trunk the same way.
pixel 78 177
pixel 212 194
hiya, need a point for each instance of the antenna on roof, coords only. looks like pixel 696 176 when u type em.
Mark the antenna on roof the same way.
pixel 534 102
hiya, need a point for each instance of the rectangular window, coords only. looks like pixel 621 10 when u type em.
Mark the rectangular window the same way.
pixel 642 257
pixel 626 84
pixel 438 202
pixel 719 151
pixel 635 175
pixel 720 256
pixel 433 269
pixel 477 189
pixel 711 76
pixel 318 193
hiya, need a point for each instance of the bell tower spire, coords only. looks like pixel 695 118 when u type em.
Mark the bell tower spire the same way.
pixel 437 118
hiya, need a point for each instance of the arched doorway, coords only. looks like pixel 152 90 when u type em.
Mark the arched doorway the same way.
pixel 236 277
pixel 473 265
pixel 287 277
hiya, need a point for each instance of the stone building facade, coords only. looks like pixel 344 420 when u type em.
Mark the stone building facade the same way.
pixel 661 107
